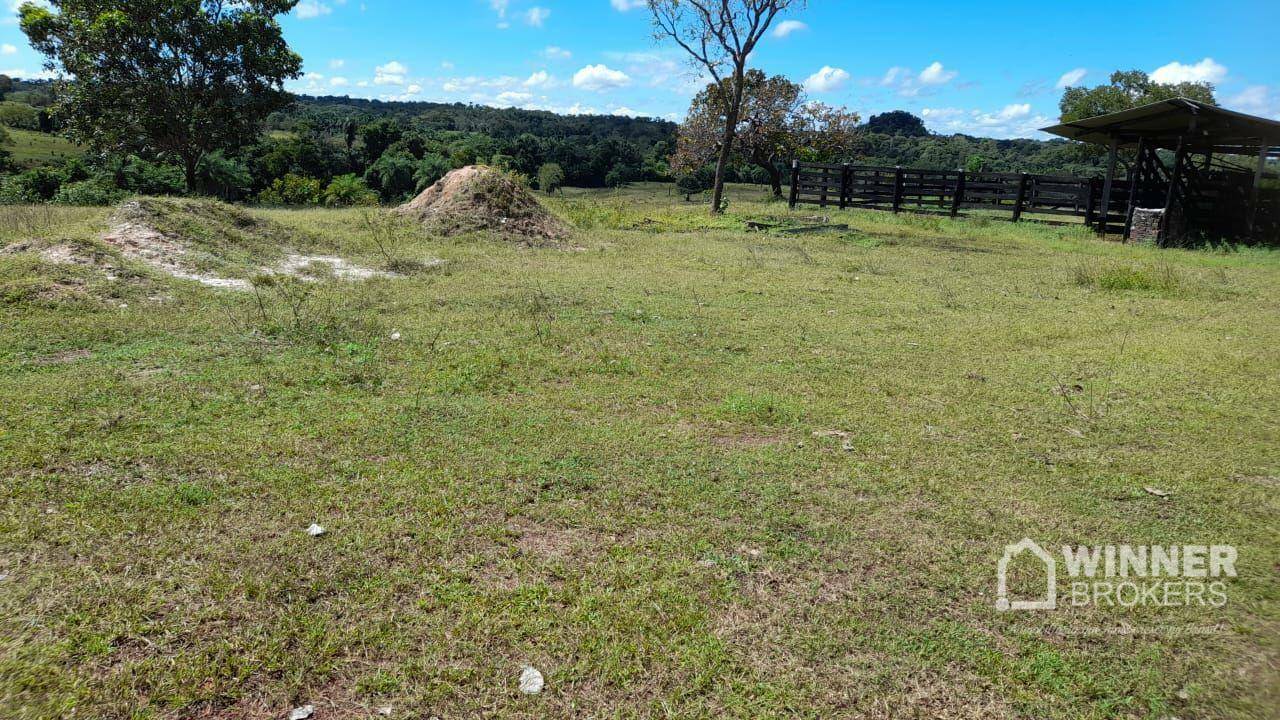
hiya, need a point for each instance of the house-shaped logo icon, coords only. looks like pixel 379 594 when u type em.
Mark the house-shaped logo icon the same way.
pixel 1050 600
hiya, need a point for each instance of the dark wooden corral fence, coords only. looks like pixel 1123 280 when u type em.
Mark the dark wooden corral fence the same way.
pixel 949 192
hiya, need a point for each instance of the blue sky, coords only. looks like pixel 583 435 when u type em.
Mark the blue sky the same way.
pixel 992 69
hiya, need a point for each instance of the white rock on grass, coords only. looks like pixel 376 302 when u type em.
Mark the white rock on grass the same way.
pixel 531 681
pixel 302 713
pixel 316 530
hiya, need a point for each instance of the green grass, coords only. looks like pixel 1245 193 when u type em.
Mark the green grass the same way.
pixel 30 148
pixel 602 462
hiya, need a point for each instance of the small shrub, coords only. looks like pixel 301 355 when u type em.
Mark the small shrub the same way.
pixel 89 192
pixel 550 178
pixel 349 191
pixel 292 190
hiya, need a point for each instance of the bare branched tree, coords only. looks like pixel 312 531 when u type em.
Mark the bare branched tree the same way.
pixel 719 35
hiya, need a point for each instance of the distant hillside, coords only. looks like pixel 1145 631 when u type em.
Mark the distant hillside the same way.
pixel 497 123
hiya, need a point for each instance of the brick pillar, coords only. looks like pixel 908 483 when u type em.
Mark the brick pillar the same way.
pixel 1146 226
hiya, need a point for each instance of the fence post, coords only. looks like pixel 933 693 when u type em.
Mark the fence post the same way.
pixel 1090 206
pixel 844 185
pixel 958 196
pixel 897 188
pixel 795 183
pixel 1022 197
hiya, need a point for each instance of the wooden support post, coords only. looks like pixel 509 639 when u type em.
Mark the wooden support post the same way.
pixel 1257 183
pixel 1106 185
pixel 1135 172
pixel 826 175
pixel 1022 197
pixel 897 188
pixel 1090 205
pixel 958 196
pixel 1174 175
pixel 795 183
pixel 844 186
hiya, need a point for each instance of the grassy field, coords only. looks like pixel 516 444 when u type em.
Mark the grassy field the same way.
pixel 602 462
pixel 30 148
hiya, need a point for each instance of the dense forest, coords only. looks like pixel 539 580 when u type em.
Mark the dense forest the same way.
pixel 339 151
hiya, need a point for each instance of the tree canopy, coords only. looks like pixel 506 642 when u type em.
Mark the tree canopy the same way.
pixel 719 36
pixel 180 78
pixel 1127 89
pixel 775 124
pixel 897 122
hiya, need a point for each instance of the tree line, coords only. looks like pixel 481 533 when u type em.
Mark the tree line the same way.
pixel 203 110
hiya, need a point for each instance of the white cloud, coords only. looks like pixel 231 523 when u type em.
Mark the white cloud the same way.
pixel 1256 100
pixel 627 5
pixel 7 49
pixel 1011 121
pixel 1071 78
pixel 828 79
pixel 658 69
pixel 500 7
pixel 393 73
pixel 788 27
pixel 556 53
pixel 539 79
pixel 935 74
pixel 625 111
pixel 600 78
pixel 536 16
pixel 339 82
pixel 20 73
pixel 1204 71
pixel 308 9
pixel 336 64
pixel 910 84
pixel 509 98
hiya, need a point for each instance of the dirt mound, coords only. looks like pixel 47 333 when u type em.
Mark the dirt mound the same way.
pixel 217 244
pixel 479 198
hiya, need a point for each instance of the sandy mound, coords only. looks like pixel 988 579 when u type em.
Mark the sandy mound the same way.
pixel 216 244
pixel 480 198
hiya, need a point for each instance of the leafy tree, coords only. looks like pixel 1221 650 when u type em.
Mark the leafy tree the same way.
pixel 1126 90
pixel 719 35
pixel 550 178
pixel 19 115
pixel 182 77
pixel 349 190
pixel 226 177
pixel 380 135
pixel 621 175
pixel 5 156
pixel 897 122
pixel 776 124
pixel 292 190
pixel 431 168
pixel 6 85
pixel 393 176
pixel 696 181
pixel 975 164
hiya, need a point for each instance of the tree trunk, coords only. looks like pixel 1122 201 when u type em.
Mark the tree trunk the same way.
pixel 189 162
pixel 775 176
pixel 726 144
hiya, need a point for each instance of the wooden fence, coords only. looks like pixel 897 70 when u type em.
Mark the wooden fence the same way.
pixel 948 192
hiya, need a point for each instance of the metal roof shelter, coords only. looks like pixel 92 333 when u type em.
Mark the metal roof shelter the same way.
pixel 1199 193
